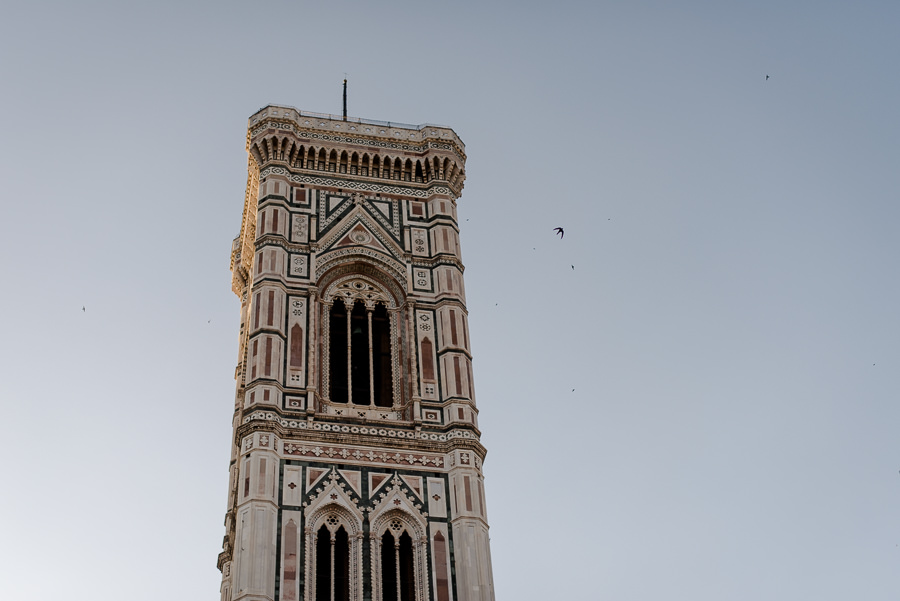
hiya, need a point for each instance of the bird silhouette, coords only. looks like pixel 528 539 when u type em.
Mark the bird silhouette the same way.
pixel 573 268
pixel 82 309
pixel 559 231
pixel 767 78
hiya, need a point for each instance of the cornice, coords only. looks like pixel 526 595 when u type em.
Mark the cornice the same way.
pixel 378 134
pixel 368 433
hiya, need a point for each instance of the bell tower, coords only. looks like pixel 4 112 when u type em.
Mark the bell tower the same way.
pixel 355 469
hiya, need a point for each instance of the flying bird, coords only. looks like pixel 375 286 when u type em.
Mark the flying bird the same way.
pixel 559 231
pixel 82 309
pixel 767 78
pixel 573 268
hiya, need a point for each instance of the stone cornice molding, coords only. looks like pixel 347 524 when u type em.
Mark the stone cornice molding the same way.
pixel 437 261
pixel 367 435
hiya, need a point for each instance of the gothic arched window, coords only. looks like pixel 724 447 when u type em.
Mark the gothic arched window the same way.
pixel 360 356
pixel 397 568
pixel 332 565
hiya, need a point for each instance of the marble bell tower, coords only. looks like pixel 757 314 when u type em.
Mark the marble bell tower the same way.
pixel 356 465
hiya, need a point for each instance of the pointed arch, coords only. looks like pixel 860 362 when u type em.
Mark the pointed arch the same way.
pixel 256 152
pixel 408 171
pixel 344 163
pixel 344 567
pixel 300 159
pixel 398 557
pixel 332 161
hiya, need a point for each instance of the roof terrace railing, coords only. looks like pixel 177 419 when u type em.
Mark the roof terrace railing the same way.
pixel 359 120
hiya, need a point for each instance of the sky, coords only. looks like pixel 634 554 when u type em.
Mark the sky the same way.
pixel 693 395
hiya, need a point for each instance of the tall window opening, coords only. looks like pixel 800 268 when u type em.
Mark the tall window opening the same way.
pixel 407 575
pixel 338 353
pixel 360 354
pixel 323 565
pixel 397 568
pixel 359 351
pixel 381 356
pixel 341 565
pixel 388 567
pixel 332 565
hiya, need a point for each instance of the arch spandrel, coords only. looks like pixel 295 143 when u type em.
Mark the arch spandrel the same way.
pixel 395 504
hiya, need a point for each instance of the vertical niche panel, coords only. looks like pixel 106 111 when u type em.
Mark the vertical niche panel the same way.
pixel 427 359
pixel 297 341
pixel 291 539
pixel 440 562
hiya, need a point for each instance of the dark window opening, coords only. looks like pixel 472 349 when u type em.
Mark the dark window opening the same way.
pixel 338 352
pixel 388 567
pixel 369 380
pixel 381 356
pixel 341 565
pixel 332 565
pixel 407 577
pixel 323 565
pixel 359 354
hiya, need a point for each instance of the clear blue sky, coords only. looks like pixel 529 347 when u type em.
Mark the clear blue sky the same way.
pixel 730 327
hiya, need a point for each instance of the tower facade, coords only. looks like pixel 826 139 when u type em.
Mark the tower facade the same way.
pixel 356 463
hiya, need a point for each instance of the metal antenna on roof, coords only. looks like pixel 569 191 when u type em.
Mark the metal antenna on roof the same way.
pixel 345 98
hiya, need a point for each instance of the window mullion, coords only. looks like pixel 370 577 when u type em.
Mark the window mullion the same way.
pixel 332 568
pixel 396 565
pixel 349 306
